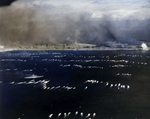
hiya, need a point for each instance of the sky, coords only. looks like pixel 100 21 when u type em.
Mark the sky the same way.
pixel 100 22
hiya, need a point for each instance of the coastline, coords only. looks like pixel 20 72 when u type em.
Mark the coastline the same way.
pixel 81 49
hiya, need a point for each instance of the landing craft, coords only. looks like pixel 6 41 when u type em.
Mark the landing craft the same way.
pixel 33 77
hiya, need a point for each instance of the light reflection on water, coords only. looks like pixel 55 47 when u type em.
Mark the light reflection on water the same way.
pixel 75 84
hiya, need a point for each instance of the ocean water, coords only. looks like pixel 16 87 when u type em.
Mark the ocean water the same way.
pixel 75 85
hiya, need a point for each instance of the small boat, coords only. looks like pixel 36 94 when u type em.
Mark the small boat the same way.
pixel 33 77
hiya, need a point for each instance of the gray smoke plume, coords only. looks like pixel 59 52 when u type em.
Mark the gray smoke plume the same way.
pixel 29 22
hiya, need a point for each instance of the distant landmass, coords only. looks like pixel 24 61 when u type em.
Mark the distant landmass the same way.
pixel 75 46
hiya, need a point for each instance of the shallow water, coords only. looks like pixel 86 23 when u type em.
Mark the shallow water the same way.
pixel 75 84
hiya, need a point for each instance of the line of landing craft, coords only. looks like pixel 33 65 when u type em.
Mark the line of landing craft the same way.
pixel 45 87
pixel 80 114
pixel 117 85
pixel 44 83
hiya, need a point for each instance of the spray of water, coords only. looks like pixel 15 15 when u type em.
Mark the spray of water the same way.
pixel 144 46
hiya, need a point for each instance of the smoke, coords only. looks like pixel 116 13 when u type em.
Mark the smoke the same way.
pixel 35 22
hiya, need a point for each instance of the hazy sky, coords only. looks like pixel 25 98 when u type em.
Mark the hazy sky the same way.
pixel 66 21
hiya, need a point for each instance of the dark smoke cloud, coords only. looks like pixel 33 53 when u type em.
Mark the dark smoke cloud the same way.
pixel 6 2
pixel 28 23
